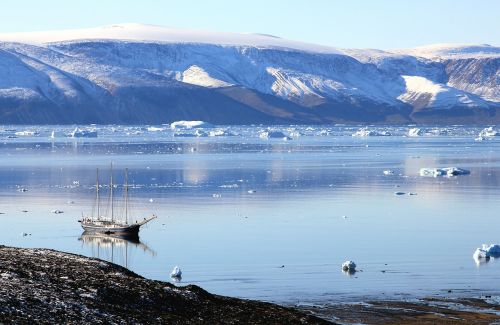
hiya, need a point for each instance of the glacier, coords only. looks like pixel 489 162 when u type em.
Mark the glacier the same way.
pixel 143 74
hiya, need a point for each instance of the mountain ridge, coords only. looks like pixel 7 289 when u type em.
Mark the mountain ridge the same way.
pixel 251 78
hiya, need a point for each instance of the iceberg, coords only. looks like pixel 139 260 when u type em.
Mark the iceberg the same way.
pixel 489 132
pixel 447 171
pixel 155 129
pixel 26 133
pixel 273 135
pixel 414 132
pixel 176 272
pixel 220 133
pixel 190 125
pixel 79 133
pixel 349 266
pixel 365 132
pixel 487 251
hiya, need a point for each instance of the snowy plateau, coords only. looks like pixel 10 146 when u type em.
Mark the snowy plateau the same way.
pixel 139 74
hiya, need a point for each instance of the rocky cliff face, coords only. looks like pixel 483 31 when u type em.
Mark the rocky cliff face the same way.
pixel 153 76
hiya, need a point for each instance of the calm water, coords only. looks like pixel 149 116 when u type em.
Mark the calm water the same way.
pixel 234 242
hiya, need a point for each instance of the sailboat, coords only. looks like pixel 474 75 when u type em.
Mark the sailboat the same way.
pixel 110 225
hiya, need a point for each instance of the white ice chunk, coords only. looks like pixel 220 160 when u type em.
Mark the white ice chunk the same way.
pixel 489 132
pixel 414 132
pixel 486 251
pixel 176 272
pixel 273 134
pixel 190 125
pixel 365 132
pixel 480 254
pixel 26 133
pixel 155 129
pixel 447 171
pixel 388 172
pixel 220 133
pixel 200 133
pixel 349 266
pixel 80 133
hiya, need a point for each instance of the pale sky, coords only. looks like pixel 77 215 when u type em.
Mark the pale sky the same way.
pixel 339 23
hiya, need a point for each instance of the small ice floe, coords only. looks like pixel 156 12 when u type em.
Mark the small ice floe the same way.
pixel 151 200
pixel 220 133
pixel 344 217
pixel 190 125
pixel 296 134
pixel 251 191
pixel 414 132
pixel 388 172
pixel 349 266
pixel 176 273
pixel 365 132
pixel 200 134
pixel 22 189
pixel 447 171
pixel 216 195
pixel 486 251
pixel 82 133
pixel 489 132
pixel 273 134
pixel 26 133
pixel 399 193
pixel 53 135
pixel 76 183
pixel 155 129
pixel 56 211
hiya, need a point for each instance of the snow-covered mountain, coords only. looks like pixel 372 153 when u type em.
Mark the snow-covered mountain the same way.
pixel 132 73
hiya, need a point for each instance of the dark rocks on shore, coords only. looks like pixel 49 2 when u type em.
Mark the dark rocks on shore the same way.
pixel 46 286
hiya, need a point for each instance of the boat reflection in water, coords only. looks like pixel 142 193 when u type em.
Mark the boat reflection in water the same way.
pixel 114 248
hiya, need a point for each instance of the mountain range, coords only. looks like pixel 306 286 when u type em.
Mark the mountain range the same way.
pixel 143 74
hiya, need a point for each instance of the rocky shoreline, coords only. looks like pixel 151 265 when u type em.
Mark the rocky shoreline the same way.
pixel 44 286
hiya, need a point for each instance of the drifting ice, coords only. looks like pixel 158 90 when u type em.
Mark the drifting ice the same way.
pixel 364 132
pixel 414 132
pixel 488 132
pixel 220 133
pixel 190 125
pixel 176 272
pixel 487 251
pixel 388 172
pixel 448 171
pixel 155 129
pixel 79 133
pixel 273 135
pixel 348 266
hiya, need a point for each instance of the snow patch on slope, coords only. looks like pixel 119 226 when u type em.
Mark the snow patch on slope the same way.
pixel 424 93
pixel 195 75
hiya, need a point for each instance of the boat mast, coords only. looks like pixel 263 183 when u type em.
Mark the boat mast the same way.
pixel 97 194
pixel 111 193
pixel 126 195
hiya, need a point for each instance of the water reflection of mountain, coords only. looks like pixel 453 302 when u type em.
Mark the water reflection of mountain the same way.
pixel 118 250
